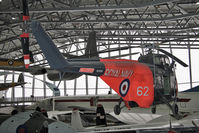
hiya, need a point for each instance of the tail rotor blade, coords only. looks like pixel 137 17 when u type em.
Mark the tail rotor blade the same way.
pixel 25 35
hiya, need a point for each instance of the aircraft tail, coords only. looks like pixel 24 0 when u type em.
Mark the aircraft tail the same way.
pixel 100 116
pixel 76 121
pixel 5 86
pixel 91 48
pixel 21 78
pixel 51 52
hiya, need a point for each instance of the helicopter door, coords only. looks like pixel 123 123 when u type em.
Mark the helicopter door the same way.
pixel 166 76
pixel 166 85
pixel 173 85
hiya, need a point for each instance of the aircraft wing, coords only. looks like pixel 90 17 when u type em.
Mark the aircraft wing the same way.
pixel 5 86
pixel 161 124
pixel 29 122
pixel 11 62
pixel 6 110
pixel 34 70
pixel 194 89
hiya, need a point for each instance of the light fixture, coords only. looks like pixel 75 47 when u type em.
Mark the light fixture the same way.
pixel 0 0
pixel 197 3
pixel 124 12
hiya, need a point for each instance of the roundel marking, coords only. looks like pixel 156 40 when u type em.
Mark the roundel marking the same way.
pixel 21 129
pixel 10 62
pixel 124 87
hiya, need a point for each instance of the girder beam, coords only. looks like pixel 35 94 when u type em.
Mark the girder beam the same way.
pixel 138 4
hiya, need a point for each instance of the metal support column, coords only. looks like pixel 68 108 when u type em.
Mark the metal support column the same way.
pixel 13 88
pixel 33 86
pixel 119 51
pixel 65 93
pixel 75 87
pixel 23 91
pixel 109 54
pixel 44 85
pixel 75 81
pixel 142 47
pixel 5 77
pixel 130 51
pixel 86 84
pixel 96 87
pixel 190 68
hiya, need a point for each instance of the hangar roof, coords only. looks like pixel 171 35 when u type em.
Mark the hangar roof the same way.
pixel 127 23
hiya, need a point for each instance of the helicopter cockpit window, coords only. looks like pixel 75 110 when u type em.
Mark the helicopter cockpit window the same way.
pixel 157 61
pixel 161 60
pixel 167 61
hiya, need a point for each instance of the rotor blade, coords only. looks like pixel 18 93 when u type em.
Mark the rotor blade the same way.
pixel 114 49
pixel 113 57
pixel 173 57
pixel 70 56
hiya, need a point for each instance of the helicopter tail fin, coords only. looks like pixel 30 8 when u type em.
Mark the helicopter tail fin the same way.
pixel 91 48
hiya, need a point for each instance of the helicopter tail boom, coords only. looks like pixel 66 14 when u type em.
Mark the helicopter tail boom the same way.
pixel 54 57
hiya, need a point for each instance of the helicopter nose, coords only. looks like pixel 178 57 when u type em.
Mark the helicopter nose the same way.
pixel 60 127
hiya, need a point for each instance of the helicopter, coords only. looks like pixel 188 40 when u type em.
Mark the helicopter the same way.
pixel 143 83
pixel 165 82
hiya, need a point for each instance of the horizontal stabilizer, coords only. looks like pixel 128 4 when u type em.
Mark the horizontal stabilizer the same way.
pixel 5 86
pixel 51 52
pixel 194 89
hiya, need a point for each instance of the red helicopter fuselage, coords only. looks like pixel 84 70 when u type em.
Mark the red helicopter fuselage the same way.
pixel 132 80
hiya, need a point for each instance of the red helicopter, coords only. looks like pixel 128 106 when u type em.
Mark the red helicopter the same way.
pixel 143 83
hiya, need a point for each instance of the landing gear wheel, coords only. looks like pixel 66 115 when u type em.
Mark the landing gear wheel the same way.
pixel 175 108
pixel 117 109
pixel 153 110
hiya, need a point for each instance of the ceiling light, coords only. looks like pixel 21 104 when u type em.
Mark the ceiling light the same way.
pixel 0 0
pixel 124 12
pixel 13 18
pixel 197 3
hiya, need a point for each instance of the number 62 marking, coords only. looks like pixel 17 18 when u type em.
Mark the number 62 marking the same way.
pixel 142 91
